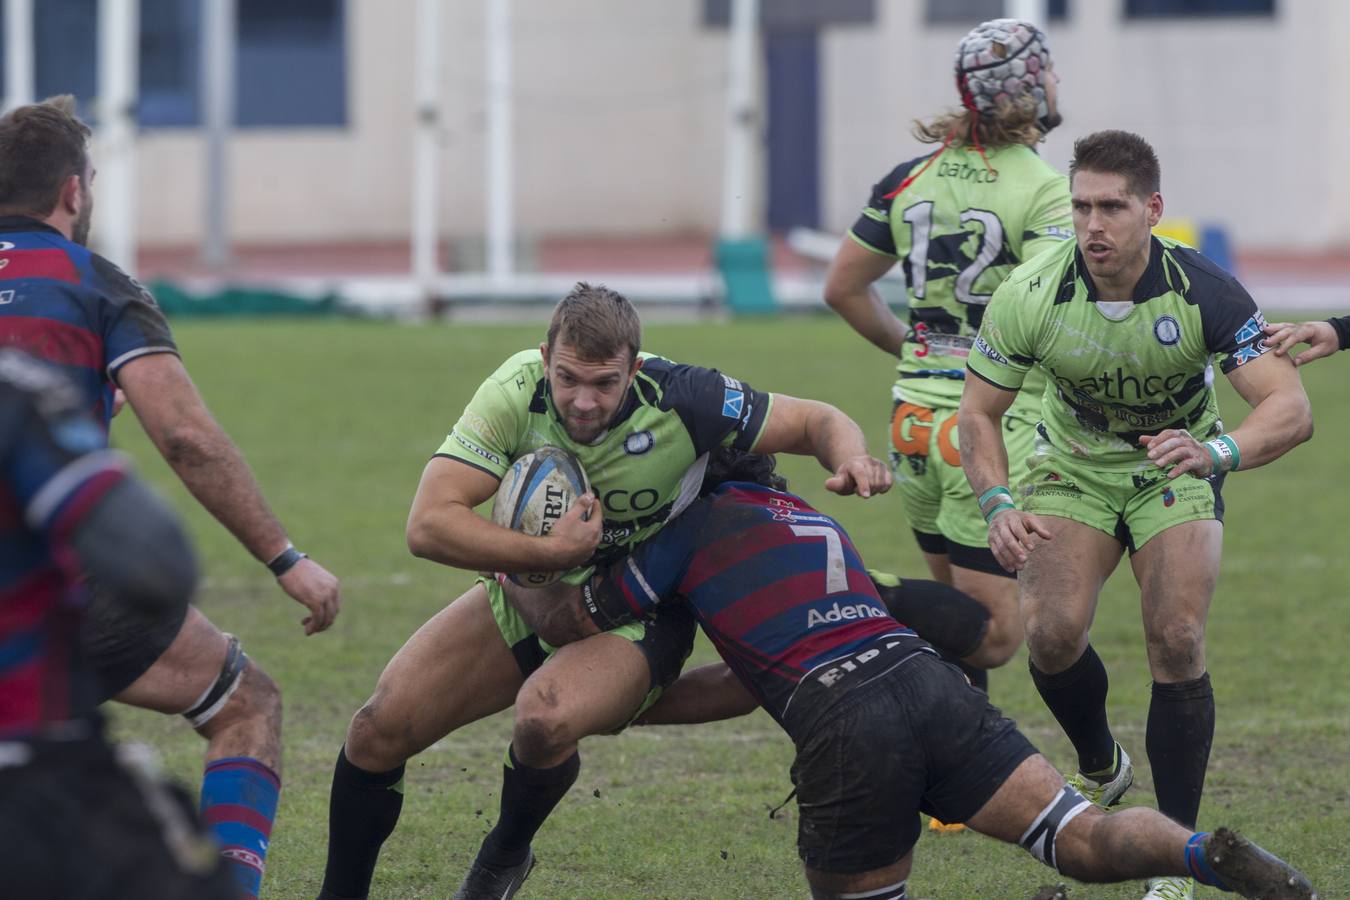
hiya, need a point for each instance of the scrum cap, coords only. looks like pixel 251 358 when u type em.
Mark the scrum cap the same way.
pixel 1002 59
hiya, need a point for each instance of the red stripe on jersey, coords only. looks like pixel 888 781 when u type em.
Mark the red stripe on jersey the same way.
pixel 710 561
pixel 25 602
pixel 53 264
pixel 851 634
pixel 21 697
pixel 57 342
pixel 82 499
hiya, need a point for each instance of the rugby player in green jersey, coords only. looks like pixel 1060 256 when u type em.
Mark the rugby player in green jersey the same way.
pixel 958 219
pixel 1131 456
pixel 642 427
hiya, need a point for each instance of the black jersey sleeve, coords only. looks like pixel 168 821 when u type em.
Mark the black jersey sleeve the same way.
pixel 132 323
pixel 1342 326
pixel 873 227
pixel 1232 323
pixel 715 409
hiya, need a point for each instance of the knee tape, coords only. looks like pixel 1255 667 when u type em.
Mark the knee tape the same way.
pixel 1039 839
pixel 215 697
pixel 890 892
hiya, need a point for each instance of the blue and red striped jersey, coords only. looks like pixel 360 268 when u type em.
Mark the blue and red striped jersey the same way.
pixel 777 586
pixel 55 468
pixel 65 304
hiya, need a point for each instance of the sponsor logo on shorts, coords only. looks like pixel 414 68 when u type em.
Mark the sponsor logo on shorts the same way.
pixel 733 403
pixel 837 613
pixel 1167 330
pixel 983 346
pixel 474 448
pixel 1168 497
pixel 638 443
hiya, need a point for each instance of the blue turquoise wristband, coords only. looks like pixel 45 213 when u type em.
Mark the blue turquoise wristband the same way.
pixel 989 516
pixel 1223 454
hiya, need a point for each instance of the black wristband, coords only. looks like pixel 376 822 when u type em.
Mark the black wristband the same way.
pixel 284 561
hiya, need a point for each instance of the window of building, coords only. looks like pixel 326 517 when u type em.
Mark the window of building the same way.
pixel 290 69
pixel 972 12
pixel 1140 9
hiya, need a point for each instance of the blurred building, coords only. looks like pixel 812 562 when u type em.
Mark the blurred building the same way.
pixel 619 108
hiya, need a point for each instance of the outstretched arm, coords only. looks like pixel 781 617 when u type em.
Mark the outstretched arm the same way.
pixel 1323 338
pixel 812 428
pixel 707 694
pixel 214 471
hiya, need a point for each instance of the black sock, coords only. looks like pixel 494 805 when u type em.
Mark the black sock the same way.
pixel 1180 734
pixel 528 796
pixel 363 809
pixel 1077 697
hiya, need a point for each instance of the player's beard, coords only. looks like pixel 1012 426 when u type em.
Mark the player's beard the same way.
pixel 79 229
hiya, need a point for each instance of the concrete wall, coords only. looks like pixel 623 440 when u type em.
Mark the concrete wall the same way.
pixel 619 107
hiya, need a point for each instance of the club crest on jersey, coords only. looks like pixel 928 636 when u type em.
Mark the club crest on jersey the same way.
pixel 638 443
pixel 1167 330
pixel 733 401
pixel 1168 498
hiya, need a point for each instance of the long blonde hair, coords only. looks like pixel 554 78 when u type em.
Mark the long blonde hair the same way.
pixel 1014 122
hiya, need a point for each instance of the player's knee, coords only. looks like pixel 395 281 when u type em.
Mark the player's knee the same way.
pixel 1053 647
pixel 241 692
pixel 374 742
pixel 999 645
pixel 541 732
pixel 1176 650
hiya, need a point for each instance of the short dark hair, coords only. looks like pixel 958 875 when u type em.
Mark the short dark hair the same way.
pixel 41 145
pixel 1119 153
pixel 596 322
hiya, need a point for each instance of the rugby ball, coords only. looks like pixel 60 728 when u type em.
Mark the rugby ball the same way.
pixel 534 494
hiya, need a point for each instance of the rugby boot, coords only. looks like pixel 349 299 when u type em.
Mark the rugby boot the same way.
pixel 1246 869
pixel 1170 889
pixel 934 824
pixel 1106 788
pixel 486 883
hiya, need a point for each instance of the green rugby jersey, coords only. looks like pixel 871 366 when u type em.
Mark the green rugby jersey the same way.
pixel 647 467
pixel 959 229
pixel 1120 369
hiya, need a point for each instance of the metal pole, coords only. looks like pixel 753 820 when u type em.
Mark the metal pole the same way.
pixel 425 183
pixel 500 201
pixel 742 120
pixel 118 28
pixel 1034 11
pixel 218 38
pixel 18 53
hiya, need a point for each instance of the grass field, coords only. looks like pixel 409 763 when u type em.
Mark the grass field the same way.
pixel 338 418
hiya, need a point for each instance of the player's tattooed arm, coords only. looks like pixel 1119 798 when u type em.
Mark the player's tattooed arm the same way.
pixel 556 613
